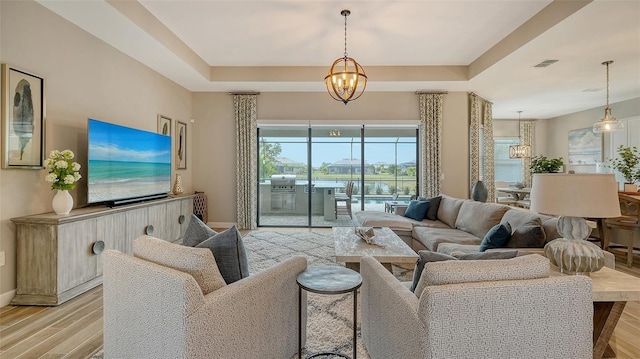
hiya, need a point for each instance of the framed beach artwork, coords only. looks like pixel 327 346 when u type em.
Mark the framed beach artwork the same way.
pixel 23 113
pixel 181 145
pixel 164 125
pixel 585 147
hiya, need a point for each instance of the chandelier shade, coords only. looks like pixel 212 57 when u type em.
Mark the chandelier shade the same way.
pixel 346 80
pixel 608 123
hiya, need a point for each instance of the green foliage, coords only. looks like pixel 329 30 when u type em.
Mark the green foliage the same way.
pixel 627 164
pixel 406 190
pixel 367 190
pixel 268 154
pixel 324 168
pixel 542 164
pixel 378 190
pixel 411 171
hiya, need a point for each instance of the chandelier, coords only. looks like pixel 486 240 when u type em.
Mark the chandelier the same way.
pixel 608 122
pixel 519 150
pixel 334 133
pixel 346 80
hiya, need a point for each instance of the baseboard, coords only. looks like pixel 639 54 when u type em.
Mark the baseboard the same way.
pixel 220 224
pixel 5 298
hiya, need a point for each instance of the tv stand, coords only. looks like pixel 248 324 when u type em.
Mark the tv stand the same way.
pixel 59 256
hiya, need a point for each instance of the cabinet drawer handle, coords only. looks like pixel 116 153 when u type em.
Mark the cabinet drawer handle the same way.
pixel 181 219
pixel 148 230
pixel 97 247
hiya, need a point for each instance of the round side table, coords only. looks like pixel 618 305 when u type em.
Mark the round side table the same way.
pixel 328 280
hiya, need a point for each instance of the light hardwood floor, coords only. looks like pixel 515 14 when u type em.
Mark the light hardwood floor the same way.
pixel 74 329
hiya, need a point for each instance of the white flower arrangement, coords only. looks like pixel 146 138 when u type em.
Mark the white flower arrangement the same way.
pixel 63 172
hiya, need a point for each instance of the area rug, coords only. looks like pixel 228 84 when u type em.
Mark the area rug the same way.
pixel 330 317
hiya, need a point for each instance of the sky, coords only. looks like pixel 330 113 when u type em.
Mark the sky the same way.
pixel 330 152
pixel 110 142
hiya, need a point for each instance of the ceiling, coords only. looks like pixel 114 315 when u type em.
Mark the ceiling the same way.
pixel 488 47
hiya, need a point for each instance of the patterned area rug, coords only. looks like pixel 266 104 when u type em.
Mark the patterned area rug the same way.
pixel 330 317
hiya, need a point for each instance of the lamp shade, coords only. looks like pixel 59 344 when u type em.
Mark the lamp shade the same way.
pixel 586 195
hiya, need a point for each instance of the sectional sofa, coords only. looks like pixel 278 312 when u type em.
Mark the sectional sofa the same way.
pixel 460 225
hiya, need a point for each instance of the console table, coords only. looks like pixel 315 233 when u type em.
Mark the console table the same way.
pixel 58 256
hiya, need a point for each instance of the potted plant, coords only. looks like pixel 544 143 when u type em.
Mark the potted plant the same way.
pixel 627 165
pixel 542 164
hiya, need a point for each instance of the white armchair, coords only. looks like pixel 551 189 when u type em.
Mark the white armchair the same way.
pixel 549 317
pixel 155 311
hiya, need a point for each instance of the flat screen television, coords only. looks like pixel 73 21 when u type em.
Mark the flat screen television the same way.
pixel 126 164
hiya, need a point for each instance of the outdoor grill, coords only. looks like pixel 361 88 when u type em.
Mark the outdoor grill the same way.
pixel 283 192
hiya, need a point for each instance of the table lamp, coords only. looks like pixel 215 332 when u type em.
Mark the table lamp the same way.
pixel 575 197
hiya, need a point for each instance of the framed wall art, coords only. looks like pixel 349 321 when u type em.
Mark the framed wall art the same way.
pixel 23 114
pixel 585 147
pixel 181 145
pixel 164 125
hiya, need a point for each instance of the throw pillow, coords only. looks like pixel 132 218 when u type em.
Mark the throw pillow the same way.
pixel 485 255
pixel 195 261
pixel 529 235
pixel 423 258
pixel 497 237
pixel 230 254
pixel 434 204
pixel 196 232
pixel 417 210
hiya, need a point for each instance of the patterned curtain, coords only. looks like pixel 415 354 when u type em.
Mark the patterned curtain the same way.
pixel 527 131
pixel 246 159
pixel 481 150
pixel 430 145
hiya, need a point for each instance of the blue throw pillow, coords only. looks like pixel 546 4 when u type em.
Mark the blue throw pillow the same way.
pixel 497 237
pixel 417 210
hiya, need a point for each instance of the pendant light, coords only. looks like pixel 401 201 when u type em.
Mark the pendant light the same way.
pixel 346 80
pixel 608 123
pixel 520 150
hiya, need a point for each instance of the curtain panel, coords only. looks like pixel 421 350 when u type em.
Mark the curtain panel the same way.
pixel 245 107
pixel 527 132
pixel 481 147
pixel 430 143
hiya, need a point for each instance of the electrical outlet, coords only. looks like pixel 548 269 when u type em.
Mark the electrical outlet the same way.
pixel 1 258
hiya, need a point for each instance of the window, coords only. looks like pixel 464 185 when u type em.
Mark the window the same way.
pixel 506 169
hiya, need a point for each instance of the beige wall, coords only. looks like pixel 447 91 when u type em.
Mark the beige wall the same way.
pixel 214 135
pixel 84 78
pixel 556 137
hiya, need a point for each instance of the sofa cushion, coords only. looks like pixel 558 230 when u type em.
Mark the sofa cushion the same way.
pixel 452 272
pixel 497 237
pixel 417 210
pixel 228 249
pixel 383 219
pixel 426 257
pixel 550 226
pixel 448 210
pixel 528 235
pixel 198 262
pixel 477 218
pixel 196 232
pixel 431 237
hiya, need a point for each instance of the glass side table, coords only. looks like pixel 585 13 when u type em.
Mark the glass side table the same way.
pixel 328 280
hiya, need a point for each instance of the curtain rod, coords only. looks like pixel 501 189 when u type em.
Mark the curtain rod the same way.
pixel 422 92
pixel 244 92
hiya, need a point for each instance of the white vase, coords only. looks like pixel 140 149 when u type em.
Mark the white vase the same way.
pixel 62 202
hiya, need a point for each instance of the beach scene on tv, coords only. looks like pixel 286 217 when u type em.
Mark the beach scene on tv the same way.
pixel 126 163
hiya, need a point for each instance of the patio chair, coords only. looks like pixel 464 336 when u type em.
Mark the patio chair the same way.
pixel 346 199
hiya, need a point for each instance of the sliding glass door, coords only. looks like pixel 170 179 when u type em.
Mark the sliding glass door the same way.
pixel 304 172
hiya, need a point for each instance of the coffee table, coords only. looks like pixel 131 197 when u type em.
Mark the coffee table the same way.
pixel 611 292
pixel 350 248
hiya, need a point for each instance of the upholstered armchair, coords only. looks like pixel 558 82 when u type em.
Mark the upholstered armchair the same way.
pixel 477 309
pixel 183 308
